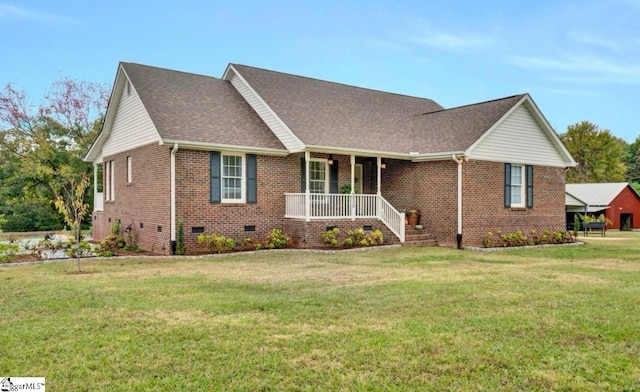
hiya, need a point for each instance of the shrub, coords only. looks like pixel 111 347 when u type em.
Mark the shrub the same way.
pixel 83 249
pixel 131 243
pixel 180 247
pixel 330 237
pixel 518 238
pixel 247 244
pixel 217 243
pixel 112 242
pixel 277 239
pixel 358 237
pixel 8 252
pixel 115 228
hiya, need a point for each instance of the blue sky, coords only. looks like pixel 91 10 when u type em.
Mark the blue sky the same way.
pixel 579 60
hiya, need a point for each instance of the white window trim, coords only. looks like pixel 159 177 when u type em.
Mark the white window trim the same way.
pixel 106 175
pixel 112 177
pixel 129 179
pixel 522 185
pixel 243 190
pixel 326 175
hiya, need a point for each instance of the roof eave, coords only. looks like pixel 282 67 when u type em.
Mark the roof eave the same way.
pixel 412 156
pixel 192 145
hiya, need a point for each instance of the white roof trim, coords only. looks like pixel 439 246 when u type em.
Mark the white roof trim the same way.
pixel 185 144
pixel 542 122
pixel 385 154
pixel 298 145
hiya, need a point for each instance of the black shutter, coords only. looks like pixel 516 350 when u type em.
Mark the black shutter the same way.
pixel 252 172
pixel 529 169
pixel 303 175
pixel 214 164
pixel 507 185
pixel 333 177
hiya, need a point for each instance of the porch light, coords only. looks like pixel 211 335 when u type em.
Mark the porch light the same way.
pixel 330 162
pixel 383 165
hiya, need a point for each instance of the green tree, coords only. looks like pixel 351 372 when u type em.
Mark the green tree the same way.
pixel 42 148
pixel 599 154
pixel 633 161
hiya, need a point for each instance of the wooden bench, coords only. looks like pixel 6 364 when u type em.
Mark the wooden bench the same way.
pixel 590 226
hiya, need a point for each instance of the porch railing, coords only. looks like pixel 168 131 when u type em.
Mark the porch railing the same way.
pixel 344 206
pixel 98 201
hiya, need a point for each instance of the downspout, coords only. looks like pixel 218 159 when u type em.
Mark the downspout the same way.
pixel 173 198
pixel 459 232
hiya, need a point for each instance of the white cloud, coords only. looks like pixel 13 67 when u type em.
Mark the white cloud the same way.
pixel 583 68
pixel 11 12
pixel 594 41
pixel 385 45
pixel 446 41
pixel 559 91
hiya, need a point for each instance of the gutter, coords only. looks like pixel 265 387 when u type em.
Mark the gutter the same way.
pixel 173 198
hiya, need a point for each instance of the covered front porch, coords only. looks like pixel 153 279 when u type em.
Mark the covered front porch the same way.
pixel 323 198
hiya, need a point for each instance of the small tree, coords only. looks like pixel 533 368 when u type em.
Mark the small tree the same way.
pixel 71 204
pixel 180 247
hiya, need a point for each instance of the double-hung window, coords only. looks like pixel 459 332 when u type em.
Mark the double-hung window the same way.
pixel 129 180
pixel 233 177
pixel 518 186
pixel 318 178
pixel 232 181
pixel 109 181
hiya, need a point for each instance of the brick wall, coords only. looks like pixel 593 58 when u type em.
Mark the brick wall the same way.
pixel 432 187
pixel 483 200
pixel 144 202
pixel 429 186
pixel 275 177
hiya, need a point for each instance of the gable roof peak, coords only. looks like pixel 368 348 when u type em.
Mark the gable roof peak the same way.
pixel 125 65
pixel 471 105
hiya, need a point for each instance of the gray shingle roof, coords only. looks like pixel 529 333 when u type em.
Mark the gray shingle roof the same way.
pixel 323 113
pixel 197 108
pixel 204 109
pixel 458 128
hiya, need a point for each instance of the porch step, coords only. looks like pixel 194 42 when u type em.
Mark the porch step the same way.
pixel 413 237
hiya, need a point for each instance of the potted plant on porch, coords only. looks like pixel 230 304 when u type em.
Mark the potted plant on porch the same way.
pixel 413 216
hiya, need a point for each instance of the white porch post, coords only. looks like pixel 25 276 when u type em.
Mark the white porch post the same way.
pixel 95 184
pixel 307 193
pixel 379 174
pixel 378 193
pixel 353 187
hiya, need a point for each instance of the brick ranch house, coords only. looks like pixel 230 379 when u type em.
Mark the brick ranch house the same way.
pixel 258 149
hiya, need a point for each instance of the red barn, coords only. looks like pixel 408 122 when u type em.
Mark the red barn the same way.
pixel 618 201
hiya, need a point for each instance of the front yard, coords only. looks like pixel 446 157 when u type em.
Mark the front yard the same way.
pixel 382 319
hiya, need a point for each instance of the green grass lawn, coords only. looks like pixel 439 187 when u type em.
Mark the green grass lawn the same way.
pixel 394 319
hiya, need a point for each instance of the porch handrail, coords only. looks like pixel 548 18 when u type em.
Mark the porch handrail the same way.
pixel 98 201
pixel 345 206
pixel 391 217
